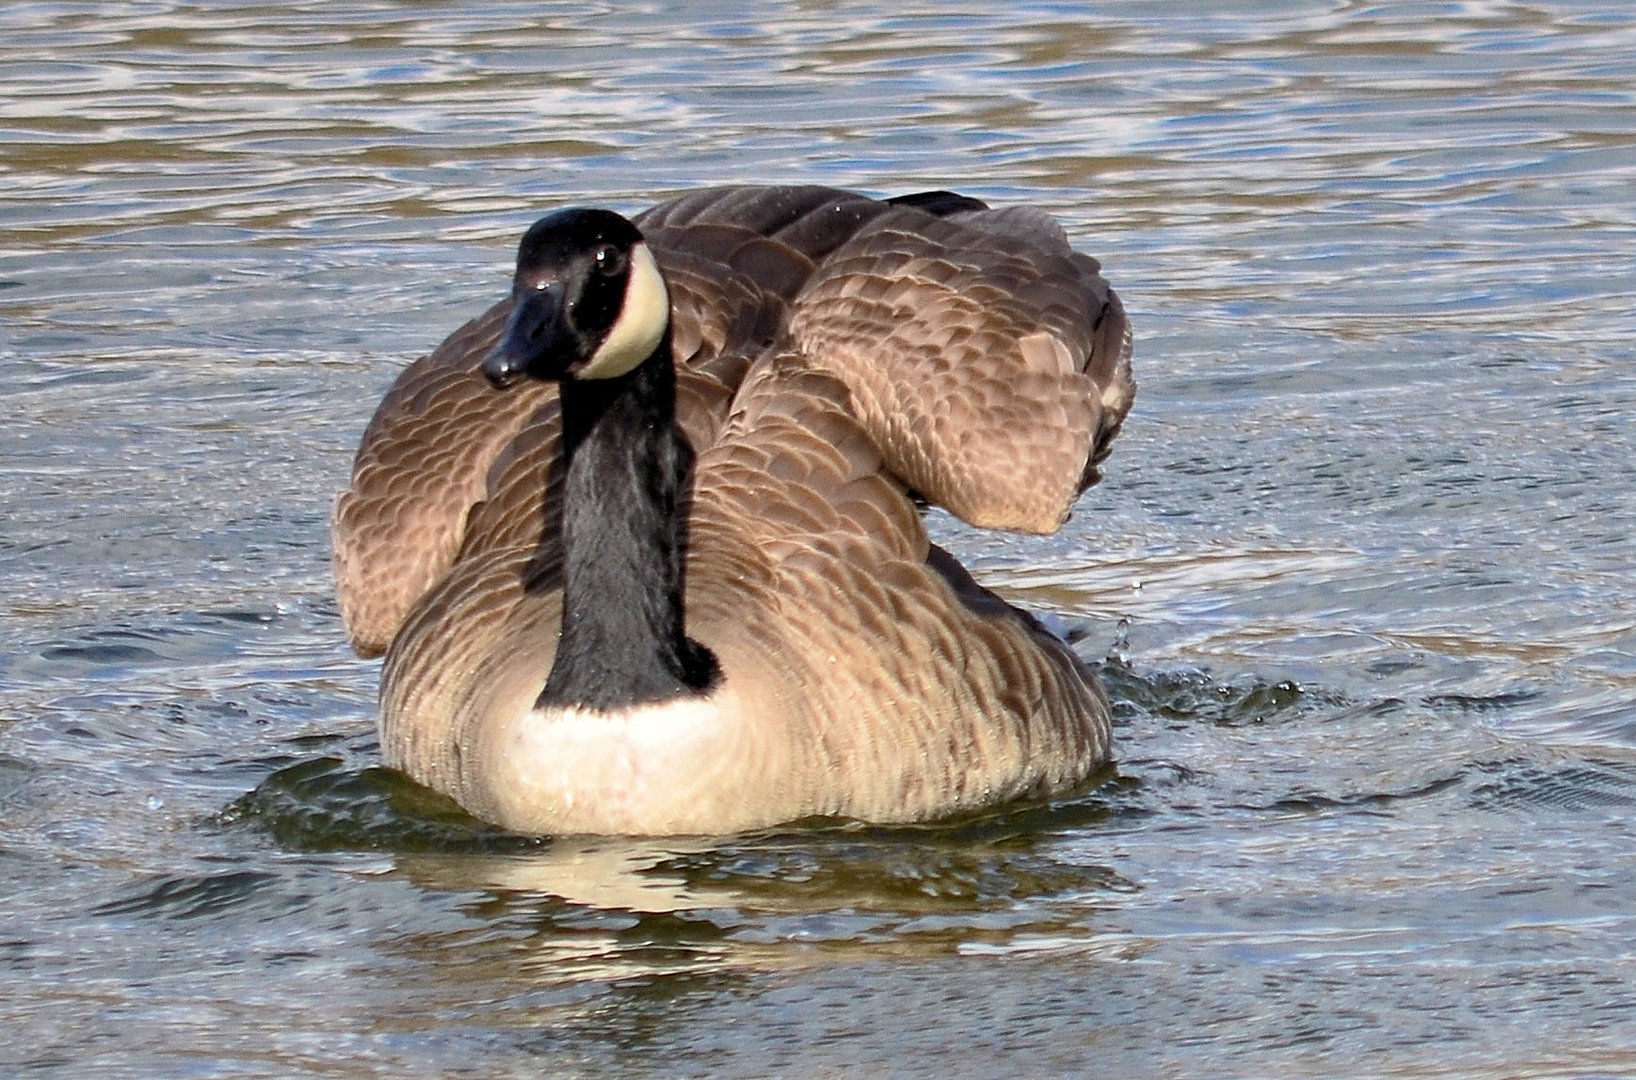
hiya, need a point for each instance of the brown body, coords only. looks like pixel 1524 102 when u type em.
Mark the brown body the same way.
pixel 833 355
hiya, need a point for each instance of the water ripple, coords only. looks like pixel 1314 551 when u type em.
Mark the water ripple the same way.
pixel 1358 578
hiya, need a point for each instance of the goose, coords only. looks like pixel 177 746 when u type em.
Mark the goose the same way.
pixel 643 543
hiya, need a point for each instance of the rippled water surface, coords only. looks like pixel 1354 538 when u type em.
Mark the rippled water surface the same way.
pixel 1360 577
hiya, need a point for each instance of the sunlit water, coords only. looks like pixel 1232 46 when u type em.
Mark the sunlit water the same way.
pixel 1360 577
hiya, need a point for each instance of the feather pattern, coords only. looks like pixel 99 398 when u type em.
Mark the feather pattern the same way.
pixel 835 355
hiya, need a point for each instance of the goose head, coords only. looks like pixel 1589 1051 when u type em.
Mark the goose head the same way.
pixel 588 301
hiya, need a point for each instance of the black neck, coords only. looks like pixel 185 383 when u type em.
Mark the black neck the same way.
pixel 628 466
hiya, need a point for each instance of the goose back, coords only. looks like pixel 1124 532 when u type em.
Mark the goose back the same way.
pixel 978 348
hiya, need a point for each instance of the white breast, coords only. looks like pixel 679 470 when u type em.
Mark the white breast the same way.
pixel 657 768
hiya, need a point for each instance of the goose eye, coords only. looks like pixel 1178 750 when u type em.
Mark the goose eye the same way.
pixel 609 260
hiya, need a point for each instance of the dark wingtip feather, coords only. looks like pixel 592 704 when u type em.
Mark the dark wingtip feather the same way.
pixel 939 203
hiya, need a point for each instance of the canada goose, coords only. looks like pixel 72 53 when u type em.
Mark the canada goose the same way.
pixel 642 543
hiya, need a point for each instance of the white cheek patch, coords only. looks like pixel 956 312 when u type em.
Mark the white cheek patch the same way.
pixel 641 322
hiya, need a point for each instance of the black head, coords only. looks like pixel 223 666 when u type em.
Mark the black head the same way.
pixel 588 301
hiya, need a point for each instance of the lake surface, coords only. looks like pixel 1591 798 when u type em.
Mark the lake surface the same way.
pixel 1361 577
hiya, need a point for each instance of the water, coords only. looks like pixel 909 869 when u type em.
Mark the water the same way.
pixel 1359 576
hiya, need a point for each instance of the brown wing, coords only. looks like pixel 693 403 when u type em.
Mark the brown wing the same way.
pixel 989 361
pixel 421 465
